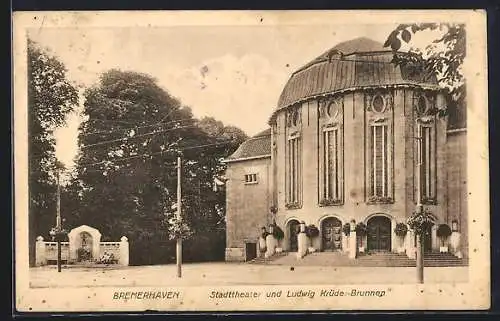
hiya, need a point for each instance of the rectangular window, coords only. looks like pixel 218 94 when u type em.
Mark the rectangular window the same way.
pixel 379 161
pixel 427 158
pixel 332 189
pixel 293 173
pixel 250 178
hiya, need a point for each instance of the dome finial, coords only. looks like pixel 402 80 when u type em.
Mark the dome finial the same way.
pixel 335 53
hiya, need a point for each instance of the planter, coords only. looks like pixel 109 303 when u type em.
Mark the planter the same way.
pixel 443 249
pixel 361 249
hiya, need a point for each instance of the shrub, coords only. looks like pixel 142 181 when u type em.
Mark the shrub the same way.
pixel 278 232
pixel 443 231
pixel 346 229
pixel 107 258
pixel 361 229
pixel 420 222
pixel 312 230
pixel 401 229
pixel 83 254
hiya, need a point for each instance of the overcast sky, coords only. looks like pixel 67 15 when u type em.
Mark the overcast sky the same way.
pixel 246 66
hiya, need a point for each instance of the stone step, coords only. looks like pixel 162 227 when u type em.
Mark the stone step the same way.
pixel 379 259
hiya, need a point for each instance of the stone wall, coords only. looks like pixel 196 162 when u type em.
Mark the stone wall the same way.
pixel 247 205
pixel 46 252
pixel 457 183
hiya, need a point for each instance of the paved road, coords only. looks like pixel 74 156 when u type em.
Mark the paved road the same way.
pixel 199 274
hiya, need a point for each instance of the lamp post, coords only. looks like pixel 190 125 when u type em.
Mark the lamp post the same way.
pixel 57 233
pixel 419 209
pixel 178 247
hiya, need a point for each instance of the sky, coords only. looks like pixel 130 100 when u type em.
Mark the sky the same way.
pixel 232 73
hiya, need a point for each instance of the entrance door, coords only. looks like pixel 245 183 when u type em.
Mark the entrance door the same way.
pixel 428 239
pixel 250 250
pixel 379 234
pixel 293 231
pixel 331 234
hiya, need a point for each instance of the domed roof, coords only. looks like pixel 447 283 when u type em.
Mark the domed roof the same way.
pixel 349 65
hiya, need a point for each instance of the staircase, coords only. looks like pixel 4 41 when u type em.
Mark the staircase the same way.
pixel 443 259
pixel 375 259
pixel 263 260
pixel 384 259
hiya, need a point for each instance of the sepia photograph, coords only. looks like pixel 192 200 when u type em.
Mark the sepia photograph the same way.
pixel 251 160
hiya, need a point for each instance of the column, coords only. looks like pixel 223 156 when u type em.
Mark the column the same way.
pixel 410 244
pixel 435 241
pixel 270 245
pixel 353 247
pixel 394 237
pixel 40 258
pixel 455 244
pixel 124 251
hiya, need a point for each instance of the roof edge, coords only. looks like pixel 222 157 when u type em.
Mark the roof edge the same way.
pixel 228 160
pixel 353 89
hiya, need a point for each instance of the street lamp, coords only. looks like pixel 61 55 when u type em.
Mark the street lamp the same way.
pixel 58 233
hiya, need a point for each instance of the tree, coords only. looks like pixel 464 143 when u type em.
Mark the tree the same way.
pixel 129 143
pixel 442 58
pixel 51 96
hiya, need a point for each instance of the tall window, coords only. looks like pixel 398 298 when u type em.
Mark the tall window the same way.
pixel 293 173
pixel 332 189
pixel 427 157
pixel 379 162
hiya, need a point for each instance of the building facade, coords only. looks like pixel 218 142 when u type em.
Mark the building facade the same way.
pixel 343 147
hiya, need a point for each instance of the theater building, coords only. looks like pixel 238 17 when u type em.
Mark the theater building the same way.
pixel 342 147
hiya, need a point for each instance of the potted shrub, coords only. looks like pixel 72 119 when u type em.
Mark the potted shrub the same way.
pixel 401 230
pixel 443 232
pixel 312 231
pixel 346 229
pixel 278 235
pixel 360 234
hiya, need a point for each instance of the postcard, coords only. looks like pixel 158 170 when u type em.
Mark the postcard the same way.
pixel 251 161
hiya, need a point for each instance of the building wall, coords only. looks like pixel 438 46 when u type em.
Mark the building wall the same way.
pixel 355 204
pixel 456 150
pixel 247 205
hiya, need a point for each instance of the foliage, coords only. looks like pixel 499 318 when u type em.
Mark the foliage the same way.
pixel 346 229
pixel 51 97
pixel 420 221
pixel 442 58
pixel 312 230
pixel 178 228
pixel 443 231
pixel 107 258
pixel 278 232
pixel 401 229
pixel 126 179
pixel 361 229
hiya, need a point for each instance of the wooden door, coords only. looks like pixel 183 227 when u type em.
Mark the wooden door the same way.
pixel 331 234
pixel 294 229
pixel 379 234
